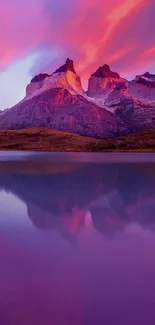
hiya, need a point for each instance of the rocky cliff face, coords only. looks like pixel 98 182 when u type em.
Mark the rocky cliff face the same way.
pixel 117 95
pixel 143 87
pixel 132 101
pixel 106 87
pixel 64 77
pixel 137 115
pixel 102 81
pixel 136 112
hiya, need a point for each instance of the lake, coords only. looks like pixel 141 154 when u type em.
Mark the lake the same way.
pixel 77 239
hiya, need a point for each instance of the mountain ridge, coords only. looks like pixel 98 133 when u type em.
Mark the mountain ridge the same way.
pixel 111 106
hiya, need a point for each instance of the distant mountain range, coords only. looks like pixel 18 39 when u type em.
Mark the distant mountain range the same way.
pixel 111 106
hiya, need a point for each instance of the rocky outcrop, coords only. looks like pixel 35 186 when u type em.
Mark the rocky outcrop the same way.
pixel 102 81
pixel 117 95
pixel 40 77
pixel 143 87
pixel 105 72
pixel 137 116
pixel 132 101
pixel 108 88
pixel 64 77
pixel 68 66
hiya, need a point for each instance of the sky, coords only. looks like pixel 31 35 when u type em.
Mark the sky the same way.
pixel 38 35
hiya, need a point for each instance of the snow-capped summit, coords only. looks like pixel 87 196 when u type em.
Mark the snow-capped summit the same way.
pixel 143 87
pixel 102 81
pixel 64 77
pixel 146 79
pixel 148 76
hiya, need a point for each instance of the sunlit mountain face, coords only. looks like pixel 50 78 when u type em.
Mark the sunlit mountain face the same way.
pixel 111 106
pixel 77 242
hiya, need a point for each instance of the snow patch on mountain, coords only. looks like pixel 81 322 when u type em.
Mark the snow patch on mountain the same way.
pixel 67 80
pixel 64 77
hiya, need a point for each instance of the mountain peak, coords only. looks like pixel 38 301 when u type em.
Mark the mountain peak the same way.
pixel 65 77
pixel 102 81
pixel 40 77
pixel 106 68
pixel 147 79
pixel 146 74
pixel 68 66
pixel 105 71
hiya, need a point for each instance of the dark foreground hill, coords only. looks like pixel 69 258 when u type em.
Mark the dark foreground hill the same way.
pixel 40 139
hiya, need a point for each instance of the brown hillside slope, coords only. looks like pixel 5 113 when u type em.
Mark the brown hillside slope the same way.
pixel 40 139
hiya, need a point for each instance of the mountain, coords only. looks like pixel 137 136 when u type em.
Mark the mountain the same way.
pixel 105 84
pixel 111 106
pixel 64 77
pixel 143 87
pixel 57 101
pixel 102 82
pixel 132 101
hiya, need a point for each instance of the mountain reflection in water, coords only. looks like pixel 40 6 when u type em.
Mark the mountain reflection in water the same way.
pixel 87 254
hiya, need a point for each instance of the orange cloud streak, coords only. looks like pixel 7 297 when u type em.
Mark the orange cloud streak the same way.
pixel 92 32
pixel 150 51
pixel 92 47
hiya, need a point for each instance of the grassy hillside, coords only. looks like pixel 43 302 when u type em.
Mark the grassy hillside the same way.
pixel 51 140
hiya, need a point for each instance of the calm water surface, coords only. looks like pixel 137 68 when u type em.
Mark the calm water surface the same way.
pixel 77 239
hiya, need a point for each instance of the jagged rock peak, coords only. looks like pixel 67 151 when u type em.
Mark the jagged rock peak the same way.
pixel 69 65
pixel 147 74
pixel 40 77
pixel 146 79
pixel 105 71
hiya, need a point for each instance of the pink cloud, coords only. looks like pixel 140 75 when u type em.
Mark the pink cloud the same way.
pixel 92 32
pixel 23 26
pixel 97 32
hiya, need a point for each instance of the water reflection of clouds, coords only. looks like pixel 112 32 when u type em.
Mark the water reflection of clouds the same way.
pixel 115 195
